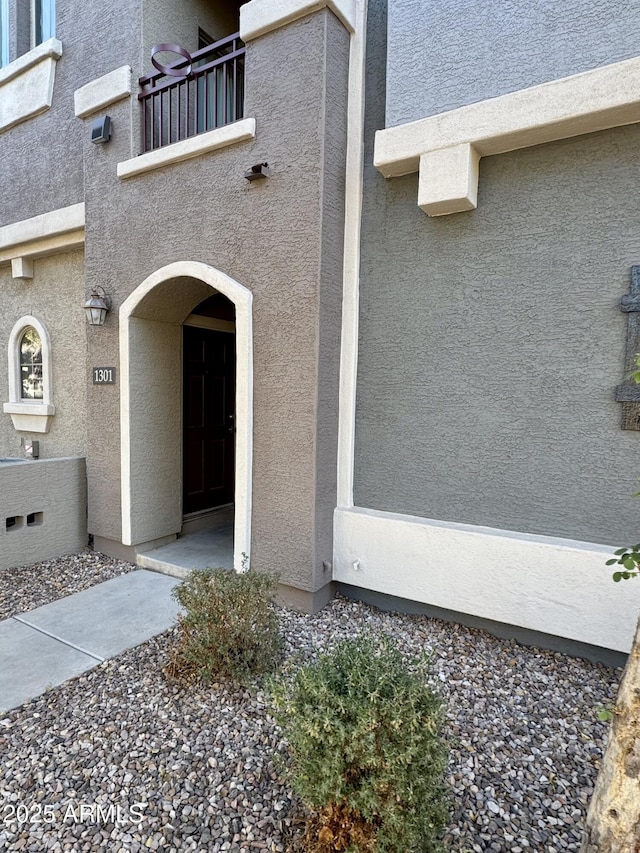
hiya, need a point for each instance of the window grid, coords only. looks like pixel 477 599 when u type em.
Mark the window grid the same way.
pixel 31 377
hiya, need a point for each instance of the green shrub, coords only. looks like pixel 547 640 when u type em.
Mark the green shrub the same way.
pixel 230 627
pixel 629 559
pixel 365 750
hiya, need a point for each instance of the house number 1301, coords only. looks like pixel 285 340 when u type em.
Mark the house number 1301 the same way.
pixel 104 375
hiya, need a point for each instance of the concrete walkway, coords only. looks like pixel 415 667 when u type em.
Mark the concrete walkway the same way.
pixel 48 645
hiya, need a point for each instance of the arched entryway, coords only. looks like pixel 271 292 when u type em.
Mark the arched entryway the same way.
pixel 151 359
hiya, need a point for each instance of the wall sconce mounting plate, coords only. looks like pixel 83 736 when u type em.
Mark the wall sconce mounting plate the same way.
pixel 255 173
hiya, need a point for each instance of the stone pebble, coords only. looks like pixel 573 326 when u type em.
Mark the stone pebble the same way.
pixel 120 759
pixel 27 587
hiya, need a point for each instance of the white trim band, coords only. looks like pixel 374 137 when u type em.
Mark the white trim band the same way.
pixel 261 16
pixel 594 100
pixel 103 91
pixel 351 263
pixel 50 49
pixel 47 233
pixel 542 583
pixel 221 137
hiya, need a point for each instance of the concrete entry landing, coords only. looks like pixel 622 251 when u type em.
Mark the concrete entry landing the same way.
pixel 210 548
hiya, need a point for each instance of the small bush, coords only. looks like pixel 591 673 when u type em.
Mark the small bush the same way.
pixel 230 627
pixel 365 750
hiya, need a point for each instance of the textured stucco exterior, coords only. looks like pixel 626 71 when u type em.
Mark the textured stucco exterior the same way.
pixel 487 373
pixel 480 352
pixel 442 56
pixel 159 455
pixel 268 237
pixel 177 22
pixel 281 240
pixel 51 144
pixel 54 492
pixel 491 341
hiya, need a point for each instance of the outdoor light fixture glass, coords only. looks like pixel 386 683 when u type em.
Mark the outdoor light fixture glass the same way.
pixel 101 129
pixel 97 306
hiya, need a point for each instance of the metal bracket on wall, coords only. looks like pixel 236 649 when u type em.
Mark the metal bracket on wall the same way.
pixel 629 392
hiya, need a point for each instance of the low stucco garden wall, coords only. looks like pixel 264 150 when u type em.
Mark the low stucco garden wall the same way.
pixel 43 509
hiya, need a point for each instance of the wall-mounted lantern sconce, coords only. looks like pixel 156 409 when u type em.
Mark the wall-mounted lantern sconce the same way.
pixel 97 306
pixel 255 173
pixel 101 129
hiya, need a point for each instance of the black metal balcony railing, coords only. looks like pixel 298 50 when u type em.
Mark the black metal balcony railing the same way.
pixel 201 91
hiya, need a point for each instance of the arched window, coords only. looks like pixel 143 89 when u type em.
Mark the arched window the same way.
pixel 30 387
pixel 30 365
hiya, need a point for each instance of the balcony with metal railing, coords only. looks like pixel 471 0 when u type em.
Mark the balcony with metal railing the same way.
pixel 201 91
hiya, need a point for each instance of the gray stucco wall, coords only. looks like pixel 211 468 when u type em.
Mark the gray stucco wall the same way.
pixel 177 22
pixel 42 157
pixel 491 341
pixel 267 236
pixel 453 52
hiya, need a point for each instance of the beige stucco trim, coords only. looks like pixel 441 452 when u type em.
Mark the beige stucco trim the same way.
pixel 449 180
pixel 30 417
pixel 351 264
pixel 261 16
pixel 26 84
pixel 105 90
pixel 45 234
pixel 22 268
pixel 594 100
pixel 242 298
pixel 533 581
pixel 195 146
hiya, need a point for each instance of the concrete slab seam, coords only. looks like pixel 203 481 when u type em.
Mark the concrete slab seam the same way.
pixel 59 639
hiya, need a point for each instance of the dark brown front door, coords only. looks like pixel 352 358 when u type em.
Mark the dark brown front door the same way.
pixel 209 407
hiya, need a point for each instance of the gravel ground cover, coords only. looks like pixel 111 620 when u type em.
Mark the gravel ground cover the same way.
pixel 119 759
pixel 27 587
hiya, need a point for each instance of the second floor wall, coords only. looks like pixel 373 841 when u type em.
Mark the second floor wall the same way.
pixel 44 64
pixel 444 55
pixel 41 154
pixel 186 23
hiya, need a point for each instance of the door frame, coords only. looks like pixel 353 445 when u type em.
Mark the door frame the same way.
pixel 139 479
pixel 211 324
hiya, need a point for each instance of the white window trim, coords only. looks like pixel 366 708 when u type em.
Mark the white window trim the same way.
pixel 29 415
pixel 26 84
